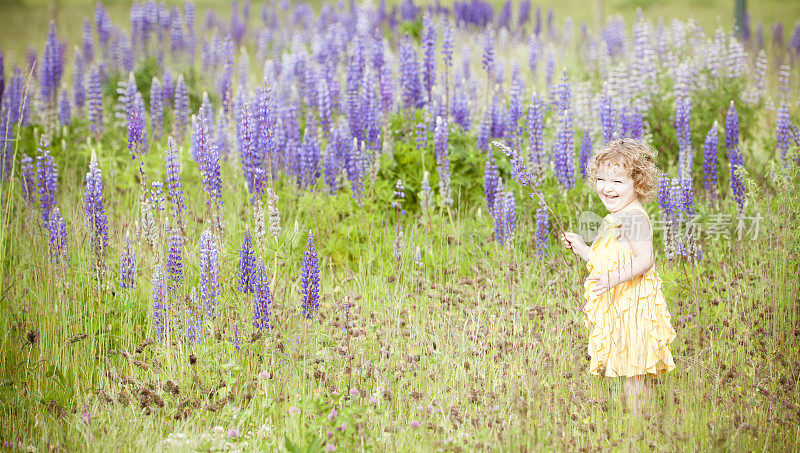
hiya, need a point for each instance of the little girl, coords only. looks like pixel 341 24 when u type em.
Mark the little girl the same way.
pixel 625 311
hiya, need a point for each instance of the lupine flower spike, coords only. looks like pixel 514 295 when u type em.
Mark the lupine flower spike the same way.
pixel 310 282
pixel 520 173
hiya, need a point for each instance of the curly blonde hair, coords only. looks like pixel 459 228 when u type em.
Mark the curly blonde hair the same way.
pixel 636 157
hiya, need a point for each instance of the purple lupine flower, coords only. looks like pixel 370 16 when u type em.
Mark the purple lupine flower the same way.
pixel 88 40
pixel 535 126
pixel 156 109
pixel 136 126
pixel 209 273
pixel 96 213
pixel 398 196
pixel 236 336
pixel 247 263
pixel 782 130
pixel 16 100
pixel 664 196
pixel 608 116
pixel 127 265
pixel 64 108
pixel 79 80
pixel 27 179
pixel 447 56
pixel 2 75
pixel 542 230
pixel 57 228
pixel 194 324
pixel 262 297
pixel 441 138
pixel 52 65
pixel 172 177
pixel 586 151
pixel 460 111
pixel 180 112
pixel 387 89
pixel 246 132
pixel 324 102
pixel 421 136
pixel 683 108
pixel 710 161
pixel 687 197
pixel 174 260
pixel 734 156
pixel 310 154
pixel 209 158
pixel 94 98
pixel 487 59
pixel 429 55
pixel 157 196
pixel 490 180
pixel 310 278
pixel 564 146
pixel 484 131
pixel 409 75
pixel 46 178
pixel 161 317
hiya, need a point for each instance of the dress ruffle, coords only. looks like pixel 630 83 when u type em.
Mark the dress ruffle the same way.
pixel 629 326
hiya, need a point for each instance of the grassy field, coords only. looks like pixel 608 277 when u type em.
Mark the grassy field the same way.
pixel 445 341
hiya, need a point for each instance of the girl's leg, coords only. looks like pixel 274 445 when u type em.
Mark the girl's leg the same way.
pixel 635 393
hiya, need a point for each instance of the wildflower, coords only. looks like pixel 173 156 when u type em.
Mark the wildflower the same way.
pixel 174 260
pixel 172 177
pixel 263 298
pixel 247 264
pixel 353 391
pixel 264 374
pixel 310 278
pixel 96 212
pixel 209 273
pixel 94 97
pixel 710 161
pixel 127 265
pixel 46 178
pixel 414 424
pixel 160 313
pixel 294 410
pixel 398 197
pixel 233 433
pixel 441 135
pixel 330 447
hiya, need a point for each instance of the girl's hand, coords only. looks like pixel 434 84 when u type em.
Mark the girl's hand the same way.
pixel 575 243
pixel 603 283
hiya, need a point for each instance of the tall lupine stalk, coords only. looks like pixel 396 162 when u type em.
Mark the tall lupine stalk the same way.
pixel 79 80
pixel 490 180
pixel 209 165
pixel 441 135
pixel 161 315
pixel 692 250
pixel 608 115
pixel 246 131
pixel 504 214
pixel 247 263
pixel 96 216
pixel 668 210
pixel 94 99
pixel 487 61
pixel 710 162
pixel 180 111
pixel 735 157
pixel 448 36
pixel 310 278
pixel 174 269
pixel 521 174
pixel 46 178
pixel 209 273
pixel 262 297
pixel 585 151
pixel 429 57
pixel 52 66
pixel 127 265
pixel 683 108
pixel 564 148
pixel 310 154
pixel 535 126
pixel 409 75
pixel 57 228
pixel 156 110
pixel 136 127
pixel 172 178
pixel 64 108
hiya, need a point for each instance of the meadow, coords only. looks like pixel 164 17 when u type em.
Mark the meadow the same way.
pixel 287 227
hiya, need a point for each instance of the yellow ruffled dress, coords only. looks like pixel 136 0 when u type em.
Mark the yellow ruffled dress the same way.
pixel 629 326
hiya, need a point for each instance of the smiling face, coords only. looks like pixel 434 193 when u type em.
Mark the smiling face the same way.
pixel 615 187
